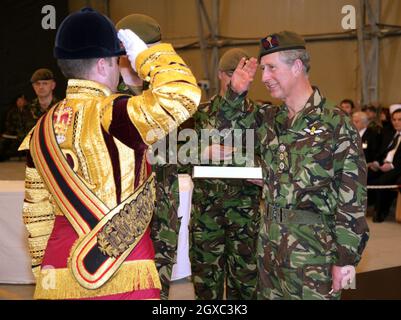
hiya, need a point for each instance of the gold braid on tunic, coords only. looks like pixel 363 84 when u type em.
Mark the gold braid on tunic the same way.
pixel 173 96
pixel 38 216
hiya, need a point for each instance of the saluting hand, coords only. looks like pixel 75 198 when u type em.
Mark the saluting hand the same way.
pixel 244 75
pixel 133 45
pixel 130 77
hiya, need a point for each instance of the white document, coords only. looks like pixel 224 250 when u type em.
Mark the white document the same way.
pixel 182 268
pixel 227 172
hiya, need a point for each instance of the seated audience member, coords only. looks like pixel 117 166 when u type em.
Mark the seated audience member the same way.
pixel 385 117
pixel 19 122
pixel 386 170
pixel 370 137
pixel 373 116
pixel 347 105
pixel 387 131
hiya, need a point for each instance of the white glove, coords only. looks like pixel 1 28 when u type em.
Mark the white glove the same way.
pixel 132 43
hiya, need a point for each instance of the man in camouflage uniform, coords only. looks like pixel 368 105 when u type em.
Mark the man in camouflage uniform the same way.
pixel 165 222
pixel 43 84
pixel 225 215
pixel 19 122
pixel 314 176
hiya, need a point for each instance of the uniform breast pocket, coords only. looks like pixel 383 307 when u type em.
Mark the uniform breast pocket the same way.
pixel 311 161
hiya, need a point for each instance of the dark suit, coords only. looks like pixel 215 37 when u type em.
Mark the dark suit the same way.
pixel 383 198
pixel 371 144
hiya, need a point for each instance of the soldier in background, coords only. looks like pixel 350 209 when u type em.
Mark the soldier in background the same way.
pixel 19 122
pixel 225 215
pixel 43 84
pixel 314 229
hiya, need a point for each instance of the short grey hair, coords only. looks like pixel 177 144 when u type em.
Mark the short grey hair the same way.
pixel 363 116
pixel 289 57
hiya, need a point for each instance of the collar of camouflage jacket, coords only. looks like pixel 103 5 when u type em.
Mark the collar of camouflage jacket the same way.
pixel 311 111
pixel 35 101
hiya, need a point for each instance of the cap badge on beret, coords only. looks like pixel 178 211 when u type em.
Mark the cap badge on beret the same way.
pixel 270 42
pixel 281 41
pixel 42 74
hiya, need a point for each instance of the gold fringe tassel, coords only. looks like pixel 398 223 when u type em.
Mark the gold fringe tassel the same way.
pixel 133 275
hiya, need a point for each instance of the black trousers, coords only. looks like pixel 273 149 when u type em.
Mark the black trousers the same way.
pixel 382 198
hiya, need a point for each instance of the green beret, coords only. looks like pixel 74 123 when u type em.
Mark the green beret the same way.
pixel 284 40
pixel 144 26
pixel 231 58
pixel 42 74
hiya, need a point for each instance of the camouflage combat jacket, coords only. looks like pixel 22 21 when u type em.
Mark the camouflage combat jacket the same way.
pixel 19 122
pixel 209 116
pixel 36 110
pixel 314 162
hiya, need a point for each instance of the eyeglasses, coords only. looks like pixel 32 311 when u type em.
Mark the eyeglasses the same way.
pixel 269 42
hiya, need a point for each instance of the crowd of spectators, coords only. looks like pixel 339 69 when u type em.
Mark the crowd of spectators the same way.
pixel 380 131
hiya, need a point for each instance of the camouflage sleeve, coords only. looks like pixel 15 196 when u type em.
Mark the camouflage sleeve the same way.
pixel 234 107
pixel 350 170
pixel 238 112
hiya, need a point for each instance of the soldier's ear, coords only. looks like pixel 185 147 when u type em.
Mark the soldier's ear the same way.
pixel 100 67
pixel 298 67
pixel 53 86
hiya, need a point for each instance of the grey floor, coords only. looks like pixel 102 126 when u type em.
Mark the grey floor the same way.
pixel 383 249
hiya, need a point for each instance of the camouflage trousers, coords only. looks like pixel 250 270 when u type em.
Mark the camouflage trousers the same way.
pixel 294 262
pixel 224 225
pixel 165 225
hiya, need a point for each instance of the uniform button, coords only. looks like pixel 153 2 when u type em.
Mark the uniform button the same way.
pixel 281 156
pixel 282 148
pixel 281 166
